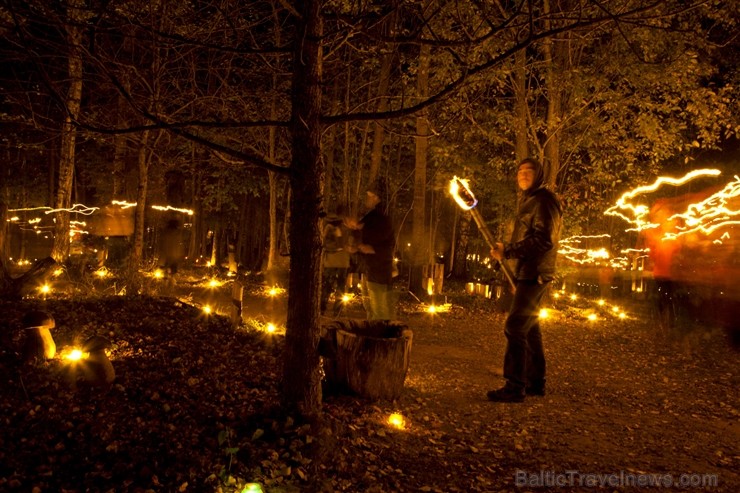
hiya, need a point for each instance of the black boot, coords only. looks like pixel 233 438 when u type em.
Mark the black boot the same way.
pixel 536 388
pixel 506 394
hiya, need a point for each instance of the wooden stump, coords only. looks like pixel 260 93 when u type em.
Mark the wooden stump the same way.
pixel 433 277
pixel 366 357
pixel 237 297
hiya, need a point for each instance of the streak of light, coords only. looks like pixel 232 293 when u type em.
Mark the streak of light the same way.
pixel 639 212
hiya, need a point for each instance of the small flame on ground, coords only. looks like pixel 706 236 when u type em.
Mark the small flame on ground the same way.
pixel 75 355
pixel 397 421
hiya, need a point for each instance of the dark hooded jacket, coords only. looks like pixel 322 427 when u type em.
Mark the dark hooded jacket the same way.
pixel 377 231
pixel 534 241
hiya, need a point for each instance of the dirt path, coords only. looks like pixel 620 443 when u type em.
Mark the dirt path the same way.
pixel 623 405
pixel 620 401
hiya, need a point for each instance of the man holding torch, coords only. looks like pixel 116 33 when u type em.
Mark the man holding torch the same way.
pixel 534 243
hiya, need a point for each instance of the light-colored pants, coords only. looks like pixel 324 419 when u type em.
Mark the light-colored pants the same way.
pixel 378 300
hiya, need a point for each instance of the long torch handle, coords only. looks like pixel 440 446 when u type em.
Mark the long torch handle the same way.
pixel 483 228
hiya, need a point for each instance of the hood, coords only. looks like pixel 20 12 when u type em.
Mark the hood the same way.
pixel 539 174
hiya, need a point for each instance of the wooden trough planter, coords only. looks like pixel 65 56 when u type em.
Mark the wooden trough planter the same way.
pixel 366 357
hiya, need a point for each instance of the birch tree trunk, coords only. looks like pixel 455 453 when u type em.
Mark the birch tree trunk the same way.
pixel 301 376
pixel 60 248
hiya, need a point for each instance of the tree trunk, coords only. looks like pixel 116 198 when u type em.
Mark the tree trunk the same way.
pixel 272 251
pixel 459 268
pixel 520 106
pixel 328 146
pixel 195 248
pixel 420 247
pixel 3 236
pixel 301 376
pixel 272 150
pixel 120 149
pixel 554 97
pixel 60 250
pixel 137 254
pixel 383 84
pixel 215 259
pixel 345 152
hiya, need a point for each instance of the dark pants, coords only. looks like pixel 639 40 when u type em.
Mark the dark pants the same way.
pixel 334 280
pixel 524 362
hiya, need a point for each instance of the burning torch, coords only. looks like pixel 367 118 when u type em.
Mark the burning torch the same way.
pixel 466 200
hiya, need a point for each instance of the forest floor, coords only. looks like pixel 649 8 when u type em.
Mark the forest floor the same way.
pixel 195 405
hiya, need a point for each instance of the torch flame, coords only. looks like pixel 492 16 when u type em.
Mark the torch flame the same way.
pixel 462 194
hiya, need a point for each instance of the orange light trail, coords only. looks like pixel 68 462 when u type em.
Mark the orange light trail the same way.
pixel 126 205
pixel 711 214
pixel 189 212
pixel 76 208
pixel 639 212
pixel 123 203
pixel 569 249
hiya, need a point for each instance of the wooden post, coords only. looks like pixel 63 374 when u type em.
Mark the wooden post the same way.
pixel 237 295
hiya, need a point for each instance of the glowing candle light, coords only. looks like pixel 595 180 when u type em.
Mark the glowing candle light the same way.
pixel 432 309
pixel 207 309
pixel 45 289
pixel 397 421
pixel 75 355
pixel 544 313
pixel 592 317
pixel 275 291
pixel 271 328
pixel 252 488
pixel 158 274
